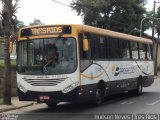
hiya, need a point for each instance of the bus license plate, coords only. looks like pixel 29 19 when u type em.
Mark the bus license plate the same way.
pixel 44 98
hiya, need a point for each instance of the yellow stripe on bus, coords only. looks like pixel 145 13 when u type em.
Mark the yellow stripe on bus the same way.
pixel 93 77
pixel 87 76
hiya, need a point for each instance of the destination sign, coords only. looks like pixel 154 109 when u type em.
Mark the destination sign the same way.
pixel 45 30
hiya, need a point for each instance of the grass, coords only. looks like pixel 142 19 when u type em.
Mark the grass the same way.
pixel 13 63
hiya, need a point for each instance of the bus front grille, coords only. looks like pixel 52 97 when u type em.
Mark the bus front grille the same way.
pixel 42 82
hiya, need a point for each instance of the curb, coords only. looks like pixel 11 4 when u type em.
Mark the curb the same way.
pixel 156 77
pixel 15 107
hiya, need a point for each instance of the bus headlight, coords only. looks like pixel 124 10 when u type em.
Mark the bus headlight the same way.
pixel 70 87
pixel 22 88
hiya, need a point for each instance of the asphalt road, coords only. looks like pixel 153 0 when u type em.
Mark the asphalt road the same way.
pixel 146 106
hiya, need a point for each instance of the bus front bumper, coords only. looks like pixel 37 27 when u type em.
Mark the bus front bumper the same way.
pixel 43 97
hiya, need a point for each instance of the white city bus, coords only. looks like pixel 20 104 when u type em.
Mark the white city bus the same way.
pixel 77 63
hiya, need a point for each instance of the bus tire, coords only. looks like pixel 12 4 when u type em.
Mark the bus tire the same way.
pixel 51 104
pixel 99 96
pixel 139 90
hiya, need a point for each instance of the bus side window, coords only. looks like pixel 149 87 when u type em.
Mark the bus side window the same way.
pixel 134 49
pixel 124 49
pixel 146 51
pixel 142 51
pixel 149 52
pixel 130 51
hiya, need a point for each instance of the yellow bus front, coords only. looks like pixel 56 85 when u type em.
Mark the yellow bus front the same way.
pixel 47 63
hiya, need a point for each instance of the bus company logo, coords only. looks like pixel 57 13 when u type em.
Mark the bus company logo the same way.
pixel 115 70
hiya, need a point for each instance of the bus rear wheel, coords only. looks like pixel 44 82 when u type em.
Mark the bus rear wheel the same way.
pixel 139 90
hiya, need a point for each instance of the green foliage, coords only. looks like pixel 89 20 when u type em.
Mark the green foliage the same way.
pixel 153 22
pixel 20 24
pixel 36 22
pixel 118 15
pixel 13 63
pixel 158 21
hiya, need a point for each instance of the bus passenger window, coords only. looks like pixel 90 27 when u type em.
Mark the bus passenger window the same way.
pixel 124 49
pixel 142 51
pixel 149 51
pixel 113 48
pixel 87 54
pixel 134 49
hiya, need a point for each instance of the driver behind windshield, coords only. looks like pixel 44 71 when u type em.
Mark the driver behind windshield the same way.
pixel 52 55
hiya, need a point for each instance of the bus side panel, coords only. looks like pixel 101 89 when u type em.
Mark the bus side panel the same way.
pixel 118 76
pixel 121 86
pixel 87 92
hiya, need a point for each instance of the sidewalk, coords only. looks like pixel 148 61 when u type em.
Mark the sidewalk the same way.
pixel 158 73
pixel 157 76
pixel 16 104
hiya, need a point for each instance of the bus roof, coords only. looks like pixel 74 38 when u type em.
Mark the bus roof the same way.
pixel 99 31
pixel 110 33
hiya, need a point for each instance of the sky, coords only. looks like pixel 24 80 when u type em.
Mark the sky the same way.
pixel 150 5
pixel 47 11
pixel 50 12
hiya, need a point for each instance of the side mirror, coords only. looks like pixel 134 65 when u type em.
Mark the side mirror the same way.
pixel 85 45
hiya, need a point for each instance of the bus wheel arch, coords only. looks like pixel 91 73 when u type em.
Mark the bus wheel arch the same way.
pixel 101 85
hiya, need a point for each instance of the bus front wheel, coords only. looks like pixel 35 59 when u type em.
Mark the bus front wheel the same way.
pixel 99 96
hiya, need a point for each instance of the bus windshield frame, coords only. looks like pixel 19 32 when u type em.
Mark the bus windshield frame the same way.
pixel 47 56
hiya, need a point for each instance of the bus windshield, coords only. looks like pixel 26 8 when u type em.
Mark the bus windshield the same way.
pixel 47 56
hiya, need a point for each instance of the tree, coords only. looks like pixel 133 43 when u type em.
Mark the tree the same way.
pixel 8 22
pixel 91 10
pixel 19 24
pixel 36 22
pixel 1 28
pixel 157 26
pixel 118 15
pixel 154 22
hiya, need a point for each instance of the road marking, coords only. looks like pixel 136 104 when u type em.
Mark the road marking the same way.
pixel 126 103
pixel 154 102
